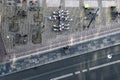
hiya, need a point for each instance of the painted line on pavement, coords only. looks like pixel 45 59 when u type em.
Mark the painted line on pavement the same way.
pixel 85 70
pixel 63 76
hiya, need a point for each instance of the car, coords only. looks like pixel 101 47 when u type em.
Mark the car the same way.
pixel 57 29
pixel 61 29
pixel 64 14
pixel 55 13
pixel 60 11
pixel 32 8
pixel 66 28
pixel 114 13
pixel 67 24
pixel 50 18
pixel 61 17
pixel 55 17
pixel 66 11
pixel 22 13
pixel 61 26
pixel 55 26
pixel 71 19
pixel 31 3
pixel 66 47
pixel 18 1
pixel 64 18
pixel 67 18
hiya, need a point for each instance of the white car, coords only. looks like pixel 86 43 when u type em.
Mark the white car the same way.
pixel 50 18
pixel 67 25
pixel 66 28
pixel 70 19
pixel 55 29
pixel 55 17
pixel 55 13
pixel 55 26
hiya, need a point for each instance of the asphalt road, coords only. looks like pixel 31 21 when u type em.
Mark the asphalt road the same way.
pixel 80 67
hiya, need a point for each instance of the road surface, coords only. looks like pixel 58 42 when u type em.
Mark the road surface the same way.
pixel 83 67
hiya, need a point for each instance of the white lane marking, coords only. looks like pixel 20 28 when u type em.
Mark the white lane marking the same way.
pixel 92 68
pixel 84 70
pixel 104 65
pixel 100 66
pixel 77 72
pixel 63 76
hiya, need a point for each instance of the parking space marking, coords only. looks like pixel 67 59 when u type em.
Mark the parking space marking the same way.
pixel 71 3
pixel 108 3
pixel 53 3
pixel 91 3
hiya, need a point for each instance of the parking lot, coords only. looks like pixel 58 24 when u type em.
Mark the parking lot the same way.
pixel 35 29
